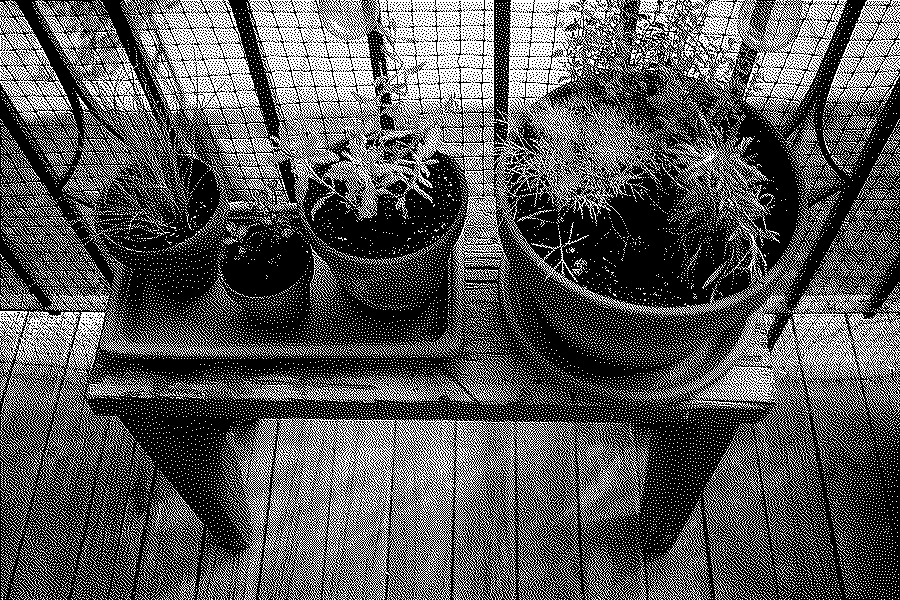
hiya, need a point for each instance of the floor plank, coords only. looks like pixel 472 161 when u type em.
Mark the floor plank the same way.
pixel 121 509
pixel 739 545
pixel 785 448
pixel 66 487
pixel 419 549
pixel 485 545
pixel 125 526
pixel 682 572
pixel 222 574
pixel 12 322
pixel 355 559
pixel 609 489
pixel 298 509
pixel 877 346
pixel 847 449
pixel 170 545
pixel 548 511
pixel 29 406
pixel 120 504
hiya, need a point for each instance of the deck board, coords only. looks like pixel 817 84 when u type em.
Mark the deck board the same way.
pixel 549 557
pixel 803 557
pixel 223 575
pixel 52 539
pixel 847 448
pixel 419 558
pixel 355 559
pixel 295 538
pixel 682 572
pixel 29 408
pixel 877 345
pixel 609 483
pixel 113 535
pixel 150 542
pixel 739 547
pixel 485 544
pixel 170 546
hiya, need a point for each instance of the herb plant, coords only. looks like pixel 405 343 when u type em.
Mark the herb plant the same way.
pixel 377 162
pixel 148 203
pixel 658 102
pixel 272 216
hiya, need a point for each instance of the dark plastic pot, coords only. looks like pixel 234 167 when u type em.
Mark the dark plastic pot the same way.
pixel 630 337
pixel 398 284
pixel 282 308
pixel 188 268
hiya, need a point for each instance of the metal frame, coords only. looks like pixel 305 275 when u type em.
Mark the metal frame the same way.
pixel 14 122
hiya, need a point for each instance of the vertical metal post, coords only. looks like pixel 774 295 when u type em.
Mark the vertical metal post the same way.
pixel 742 69
pixel 13 121
pixel 824 77
pixel 502 26
pixel 259 73
pixel 887 120
pixel 24 276
pixel 138 61
pixel 379 69
pixel 891 277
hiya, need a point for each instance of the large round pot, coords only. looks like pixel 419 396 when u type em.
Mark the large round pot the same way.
pixel 188 268
pixel 284 306
pixel 630 337
pixel 401 283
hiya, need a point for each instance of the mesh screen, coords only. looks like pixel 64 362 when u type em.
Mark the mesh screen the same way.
pixel 313 75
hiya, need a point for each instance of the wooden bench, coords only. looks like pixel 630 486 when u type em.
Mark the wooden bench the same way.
pixel 180 411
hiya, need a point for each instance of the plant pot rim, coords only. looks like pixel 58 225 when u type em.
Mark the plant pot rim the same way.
pixel 174 248
pixel 773 274
pixel 411 256
pixel 305 275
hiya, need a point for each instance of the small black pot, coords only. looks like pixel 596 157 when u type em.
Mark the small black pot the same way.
pixel 183 266
pixel 271 280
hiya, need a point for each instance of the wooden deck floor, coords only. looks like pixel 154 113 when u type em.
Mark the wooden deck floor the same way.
pixel 801 506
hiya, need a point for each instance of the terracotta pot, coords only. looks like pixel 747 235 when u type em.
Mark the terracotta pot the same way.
pixel 630 337
pixel 402 283
pixel 188 268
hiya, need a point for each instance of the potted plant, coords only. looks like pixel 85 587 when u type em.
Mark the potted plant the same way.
pixel 645 213
pixel 162 214
pixel 387 208
pixel 267 266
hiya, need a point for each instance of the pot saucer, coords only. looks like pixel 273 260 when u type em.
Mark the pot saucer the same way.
pixel 685 379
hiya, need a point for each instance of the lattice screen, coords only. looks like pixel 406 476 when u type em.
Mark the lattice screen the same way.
pixel 314 73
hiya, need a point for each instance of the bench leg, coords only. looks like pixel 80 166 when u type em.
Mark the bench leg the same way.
pixel 681 461
pixel 199 459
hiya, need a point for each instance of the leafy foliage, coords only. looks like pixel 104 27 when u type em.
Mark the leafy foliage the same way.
pixel 375 162
pixel 578 169
pixel 148 200
pixel 685 128
pixel 723 190
pixel 271 213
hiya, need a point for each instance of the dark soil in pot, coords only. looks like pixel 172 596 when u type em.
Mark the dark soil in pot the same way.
pixel 267 263
pixel 202 203
pixel 633 253
pixel 388 234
